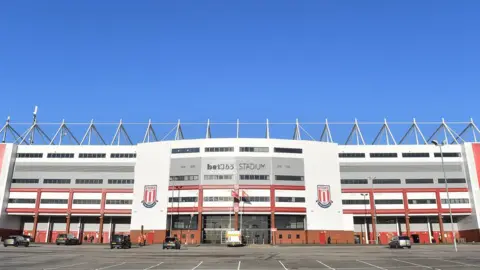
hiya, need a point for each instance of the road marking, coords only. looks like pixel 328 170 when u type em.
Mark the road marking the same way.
pixel 152 266
pixel 419 265
pixel 376 266
pixel 325 265
pixel 197 265
pixel 239 262
pixel 63 266
pixel 106 267
pixel 466 264
pixel 283 265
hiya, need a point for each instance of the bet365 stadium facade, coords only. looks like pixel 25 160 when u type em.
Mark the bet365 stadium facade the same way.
pixel 281 191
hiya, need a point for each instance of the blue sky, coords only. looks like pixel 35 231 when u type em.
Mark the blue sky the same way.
pixel 251 60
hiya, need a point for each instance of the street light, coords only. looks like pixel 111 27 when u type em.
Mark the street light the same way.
pixel 364 217
pixel 436 143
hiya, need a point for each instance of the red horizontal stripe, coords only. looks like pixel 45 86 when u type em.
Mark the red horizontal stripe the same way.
pixel 78 190
pixel 20 210
pixel 290 210
pixel 400 190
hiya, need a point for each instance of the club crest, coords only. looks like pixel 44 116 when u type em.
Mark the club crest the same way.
pixel 149 196
pixel 324 199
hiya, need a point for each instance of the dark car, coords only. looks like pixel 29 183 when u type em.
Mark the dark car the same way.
pixel 171 243
pixel 120 241
pixel 15 240
pixel 67 239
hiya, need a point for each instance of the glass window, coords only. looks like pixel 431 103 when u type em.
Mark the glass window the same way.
pixel 415 155
pixel 387 181
pixel 289 222
pixel 21 200
pixel 60 155
pixel 288 150
pixel 351 155
pixel 452 180
pixel 185 150
pixel 288 178
pixel 123 155
pixel 29 155
pixel 56 181
pixel 25 181
pixel 362 202
pixel 448 154
pixel 383 155
pixel 419 181
pixel 254 149
pixel 392 201
pixel 354 181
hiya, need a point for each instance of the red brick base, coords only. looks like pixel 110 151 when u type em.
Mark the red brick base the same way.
pixel 470 235
pixel 153 236
pixel 4 233
pixel 336 237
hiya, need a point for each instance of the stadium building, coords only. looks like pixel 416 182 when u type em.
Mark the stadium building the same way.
pixel 281 191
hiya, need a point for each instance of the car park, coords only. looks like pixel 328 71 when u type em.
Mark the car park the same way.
pixel 67 239
pixel 400 242
pixel 120 241
pixel 16 240
pixel 171 243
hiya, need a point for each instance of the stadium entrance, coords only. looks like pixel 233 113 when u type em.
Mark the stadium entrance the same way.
pixel 255 228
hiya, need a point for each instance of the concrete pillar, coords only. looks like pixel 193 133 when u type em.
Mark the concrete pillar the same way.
pixel 67 229
pixel 35 223
pixel 407 224
pixel 272 225
pixel 430 233
pixel 442 231
pixel 200 227
pixel 49 228
pixel 100 230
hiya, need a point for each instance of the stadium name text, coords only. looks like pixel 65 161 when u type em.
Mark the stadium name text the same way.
pixel 240 166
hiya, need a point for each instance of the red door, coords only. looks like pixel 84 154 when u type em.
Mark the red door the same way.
pixel 322 238
pixel 150 237
pixel 424 238
pixel 41 237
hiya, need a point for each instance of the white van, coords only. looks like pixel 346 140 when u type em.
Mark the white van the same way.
pixel 235 239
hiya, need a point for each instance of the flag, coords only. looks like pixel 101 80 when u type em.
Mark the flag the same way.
pixel 245 197
pixel 234 194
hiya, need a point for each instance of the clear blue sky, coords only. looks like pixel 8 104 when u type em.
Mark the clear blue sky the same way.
pixel 251 60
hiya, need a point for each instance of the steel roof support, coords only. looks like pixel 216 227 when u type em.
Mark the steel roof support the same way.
pixel 446 131
pixel 179 132
pixel 149 132
pixel 388 134
pixel 474 129
pixel 88 135
pixel 358 134
pixel 267 131
pixel 8 128
pixel 63 130
pixel 326 134
pixel 416 130
pixel 296 132
pixel 30 133
pixel 208 135
pixel 238 128
pixel 117 136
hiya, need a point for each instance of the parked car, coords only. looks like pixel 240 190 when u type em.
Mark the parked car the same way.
pixel 171 243
pixel 28 238
pixel 67 239
pixel 120 241
pixel 400 242
pixel 15 240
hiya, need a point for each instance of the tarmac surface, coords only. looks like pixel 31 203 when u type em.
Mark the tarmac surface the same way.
pixel 100 257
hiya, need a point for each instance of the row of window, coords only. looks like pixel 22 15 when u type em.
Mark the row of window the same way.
pixel 65 201
pixel 394 155
pixel 254 177
pixel 54 201
pixel 118 201
pixel 455 201
pixel 218 177
pixel 241 177
pixel 242 149
pixel 80 155
pixel 182 199
pixel 21 200
pixel 398 181
pixel 88 201
pixel 183 177
pixel 229 199
pixel 410 201
pixel 68 181
pixel 290 199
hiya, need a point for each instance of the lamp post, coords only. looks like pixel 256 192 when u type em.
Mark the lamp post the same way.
pixel 440 145
pixel 364 216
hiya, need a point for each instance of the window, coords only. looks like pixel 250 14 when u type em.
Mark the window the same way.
pixel 256 199
pixel 185 150
pixel 351 155
pixel 25 181
pixel 419 181
pixel 289 222
pixel 183 222
pixel 118 202
pixel 280 236
pixel 21 200
pixel 217 199
pixel 254 149
pixel 386 181
pixel 452 180
pixel 288 150
pixel 218 177
pixel 354 181
pixel 92 155
pixel 448 154
pixel 54 201
pixel 356 202
pixel 182 199
pixel 57 181
pixel 415 155
pixel 289 236
pixel 123 155
pixel 298 236
pixel 60 155
pixel 89 181
pixel 455 201
pixel 183 177
pixel 288 178
pixel 29 155
pixel 383 155
pixel 392 201
pixel 290 199
pixel 121 181
pixel 254 177
pixel 422 201
pixel 218 149
pixel 82 201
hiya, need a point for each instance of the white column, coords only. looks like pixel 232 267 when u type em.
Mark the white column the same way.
pixel 48 230
pixel 110 231
pixel 429 230
pixel 366 233
pixel 397 226
pixel 78 229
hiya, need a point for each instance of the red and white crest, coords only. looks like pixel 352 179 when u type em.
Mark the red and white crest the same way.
pixel 324 199
pixel 149 196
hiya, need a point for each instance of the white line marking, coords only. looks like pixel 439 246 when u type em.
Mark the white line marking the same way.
pixel 239 262
pixel 63 266
pixel 325 265
pixel 152 266
pixel 466 264
pixel 106 267
pixel 197 265
pixel 376 266
pixel 419 265
pixel 283 265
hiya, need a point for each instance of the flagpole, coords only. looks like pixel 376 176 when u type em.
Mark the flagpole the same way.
pixel 241 214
